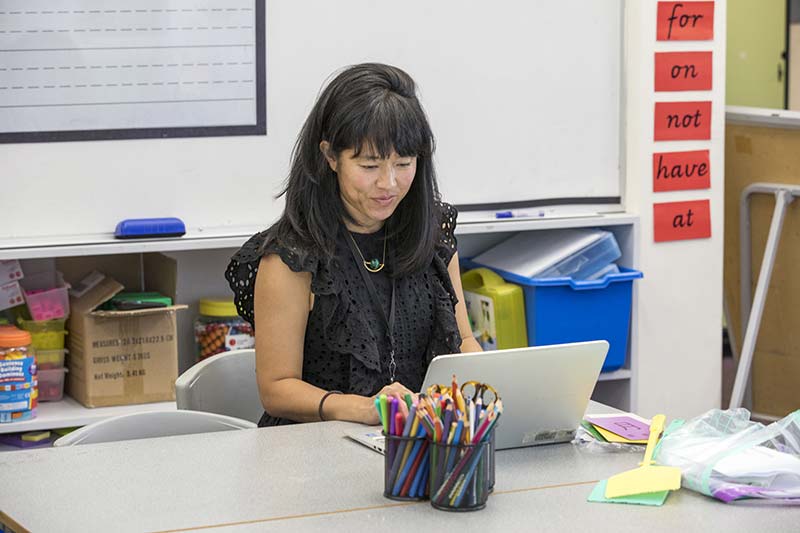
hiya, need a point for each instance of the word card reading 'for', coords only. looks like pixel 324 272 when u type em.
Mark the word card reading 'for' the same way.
pixel 685 21
pixel 675 221
pixel 683 71
pixel 681 171
pixel 682 121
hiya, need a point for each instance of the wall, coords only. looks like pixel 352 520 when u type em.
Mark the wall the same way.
pixel 756 38
pixel 794 65
pixel 678 321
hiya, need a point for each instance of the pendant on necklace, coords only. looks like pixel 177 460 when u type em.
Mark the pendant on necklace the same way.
pixel 373 265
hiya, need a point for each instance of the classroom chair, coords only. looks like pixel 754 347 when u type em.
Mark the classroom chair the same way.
pixel 224 384
pixel 151 424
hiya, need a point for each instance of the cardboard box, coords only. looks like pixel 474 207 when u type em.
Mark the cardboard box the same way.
pixel 755 154
pixel 122 357
pixel 10 270
pixel 11 295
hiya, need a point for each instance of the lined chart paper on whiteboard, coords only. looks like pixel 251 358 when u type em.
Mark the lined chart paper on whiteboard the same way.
pixel 98 69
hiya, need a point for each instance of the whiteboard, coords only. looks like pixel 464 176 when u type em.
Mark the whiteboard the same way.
pixel 72 66
pixel 523 97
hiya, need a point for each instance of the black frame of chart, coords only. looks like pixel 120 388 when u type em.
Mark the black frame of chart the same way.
pixel 82 70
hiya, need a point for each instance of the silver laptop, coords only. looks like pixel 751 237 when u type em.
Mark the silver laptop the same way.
pixel 545 389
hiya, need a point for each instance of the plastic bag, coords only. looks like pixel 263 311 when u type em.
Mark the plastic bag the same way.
pixel 725 455
pixel 586 441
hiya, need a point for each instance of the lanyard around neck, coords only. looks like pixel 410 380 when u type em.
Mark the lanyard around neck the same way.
pixel 387 322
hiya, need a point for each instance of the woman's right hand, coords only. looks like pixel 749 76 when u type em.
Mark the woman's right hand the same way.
pixel 395 389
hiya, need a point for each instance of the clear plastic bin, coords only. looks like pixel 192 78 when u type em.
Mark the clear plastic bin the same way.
pixel 587 261
pixel 50 359
pixel 51 384
pixel 47 295
pixel 46 334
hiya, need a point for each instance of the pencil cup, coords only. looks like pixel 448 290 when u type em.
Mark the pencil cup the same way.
pixel 405 468
pixel 460 475
pixel 490 458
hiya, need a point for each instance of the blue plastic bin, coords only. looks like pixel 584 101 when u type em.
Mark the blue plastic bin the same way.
pixel 561 310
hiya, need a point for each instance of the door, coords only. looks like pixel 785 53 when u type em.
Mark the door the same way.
pixel 756 64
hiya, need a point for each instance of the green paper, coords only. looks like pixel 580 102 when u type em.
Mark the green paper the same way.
pixel 590 428
pixel 651 498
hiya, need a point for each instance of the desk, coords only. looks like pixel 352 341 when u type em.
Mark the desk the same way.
pixel 312 478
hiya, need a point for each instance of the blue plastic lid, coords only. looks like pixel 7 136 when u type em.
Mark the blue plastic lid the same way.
pixel 625 274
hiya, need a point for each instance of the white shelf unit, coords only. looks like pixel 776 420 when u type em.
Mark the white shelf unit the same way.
pixel 613 388
pixel 203 256
pixel 69 413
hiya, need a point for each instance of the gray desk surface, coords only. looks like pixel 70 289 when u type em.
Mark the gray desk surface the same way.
pixel 312 478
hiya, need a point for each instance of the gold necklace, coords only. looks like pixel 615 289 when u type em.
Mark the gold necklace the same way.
pixel 373 265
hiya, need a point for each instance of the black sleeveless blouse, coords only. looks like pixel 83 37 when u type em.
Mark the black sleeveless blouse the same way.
pixel 346 346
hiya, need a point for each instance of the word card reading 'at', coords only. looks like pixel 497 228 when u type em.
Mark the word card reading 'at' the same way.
pixel 675 221
pixel 681 171
pixel 683 71
pixel 682 121
pixel 685 21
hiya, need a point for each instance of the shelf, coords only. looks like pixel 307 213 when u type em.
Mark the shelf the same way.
pixel 70 413
pixel 617 375
pixel 758 116
pixel 233 237
pixel 105 244
pixel 467 227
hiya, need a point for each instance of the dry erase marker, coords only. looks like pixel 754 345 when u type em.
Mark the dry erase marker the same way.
pixel 385 414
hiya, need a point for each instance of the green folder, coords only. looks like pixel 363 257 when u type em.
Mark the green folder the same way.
pixel 650 498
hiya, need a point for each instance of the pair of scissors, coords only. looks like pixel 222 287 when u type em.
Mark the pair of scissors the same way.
pixel 469 389
pixel 476 389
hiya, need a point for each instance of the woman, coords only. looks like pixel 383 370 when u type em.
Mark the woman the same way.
pixel 356 287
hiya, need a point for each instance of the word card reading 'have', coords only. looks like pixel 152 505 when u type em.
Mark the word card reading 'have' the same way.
pixel 681 171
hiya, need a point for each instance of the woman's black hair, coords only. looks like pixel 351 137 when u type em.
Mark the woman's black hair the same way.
pixel 365 107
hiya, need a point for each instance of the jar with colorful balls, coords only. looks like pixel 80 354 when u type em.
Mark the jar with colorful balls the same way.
pixel 219 328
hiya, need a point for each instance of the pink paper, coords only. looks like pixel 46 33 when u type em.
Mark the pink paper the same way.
pixel 624 426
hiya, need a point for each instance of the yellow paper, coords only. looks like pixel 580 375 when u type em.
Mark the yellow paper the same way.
pixel 613 437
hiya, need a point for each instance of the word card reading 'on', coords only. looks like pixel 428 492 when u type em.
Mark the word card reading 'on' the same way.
pixel 675 221
pixel 685 21
pixel 683 71
pixel 682 121
pixel 681 171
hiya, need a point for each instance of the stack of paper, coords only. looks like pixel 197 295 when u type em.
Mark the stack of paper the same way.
pixel 626 428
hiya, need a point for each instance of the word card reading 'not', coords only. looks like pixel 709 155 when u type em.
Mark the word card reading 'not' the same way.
pixel 675 221
pixel 682 121
pixel 681 171
pixel 683 71
pixel 685 21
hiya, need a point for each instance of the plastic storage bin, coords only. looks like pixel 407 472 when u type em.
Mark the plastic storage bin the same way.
pixel 46 295
pixel 496 310
pixel 51 384
pixel 587 261
pixel 577 253
pixel 46 334
pixel 50 359
pixel 561 310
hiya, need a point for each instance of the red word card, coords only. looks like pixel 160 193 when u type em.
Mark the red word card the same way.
pixel 682 121
pixel 681 171
pixel 683 71
pixel 675 221
pixel 685 21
